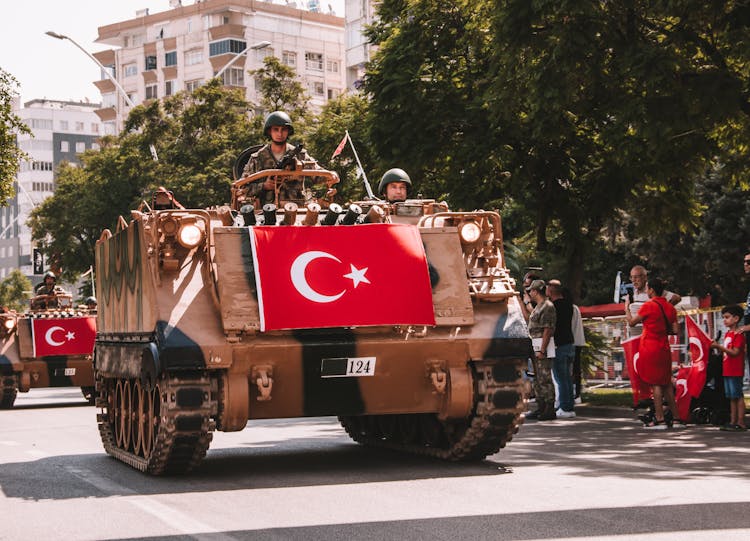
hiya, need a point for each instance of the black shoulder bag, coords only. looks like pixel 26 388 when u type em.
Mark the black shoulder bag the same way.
pixel 666 321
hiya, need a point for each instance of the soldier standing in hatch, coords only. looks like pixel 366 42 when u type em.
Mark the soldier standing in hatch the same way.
pixel 395 185
pixel 278 128
pixel 49 288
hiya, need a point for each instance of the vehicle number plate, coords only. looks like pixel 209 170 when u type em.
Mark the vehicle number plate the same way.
pixel 347 367
pixel 65 372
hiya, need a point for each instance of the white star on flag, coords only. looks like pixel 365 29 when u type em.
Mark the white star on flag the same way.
pixel 357 276
pixel 70 335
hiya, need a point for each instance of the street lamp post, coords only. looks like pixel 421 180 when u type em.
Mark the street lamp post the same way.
pixel 105 72
pixel 255 46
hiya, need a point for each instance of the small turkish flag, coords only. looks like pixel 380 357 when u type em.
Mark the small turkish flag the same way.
pixel 63 336
pixel 700 349
pixel 640 389
pixel 681 392
pixel 341 146
pixel 341 276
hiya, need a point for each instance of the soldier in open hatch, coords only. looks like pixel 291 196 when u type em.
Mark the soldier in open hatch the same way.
pixel 50 288
pixel 395 185
pixel 278 128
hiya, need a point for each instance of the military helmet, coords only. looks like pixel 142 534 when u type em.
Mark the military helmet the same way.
pixel 277 118
pixel 90 300
pixel 49 274
pixel 394 175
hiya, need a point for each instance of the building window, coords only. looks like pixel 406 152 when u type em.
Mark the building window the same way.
pixel 332 66
pixel 64 125
pixel 314 61
pixel 170 87
pixel 110 128
pixel 189 25
pixel 289 58
pixel 190 86
pixel 41 166
pixel 170 58
pixel 137 40
pixel 333 93
pixel 194 57
pixel 150 62
pixel 79 126
pixel 94 146
pixel 80 147
pixel 41 124
pixel 316 88
pixel 151 92
pixel 131 70
pixel 94 127
pixel 233 77
pixel 226 46
pixel 64 146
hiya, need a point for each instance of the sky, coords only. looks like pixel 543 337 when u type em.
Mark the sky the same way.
pixel 56 69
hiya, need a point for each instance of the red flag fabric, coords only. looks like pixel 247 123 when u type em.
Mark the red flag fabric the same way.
pixel 63 336
pixel 340 148
pixel 681 392
pixel 345 275
pixel 640 389
pixel 700 349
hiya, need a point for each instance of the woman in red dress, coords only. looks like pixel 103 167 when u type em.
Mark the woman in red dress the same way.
pixel 659 318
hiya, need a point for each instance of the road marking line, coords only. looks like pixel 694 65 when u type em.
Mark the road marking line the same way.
pixel 173 518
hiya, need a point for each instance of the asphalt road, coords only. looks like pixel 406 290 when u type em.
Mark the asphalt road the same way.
pixel 595 477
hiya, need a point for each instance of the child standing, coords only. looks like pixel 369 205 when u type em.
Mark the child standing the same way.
pixel 733 366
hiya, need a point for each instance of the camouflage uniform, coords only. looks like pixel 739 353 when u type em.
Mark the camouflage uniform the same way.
pixel 264 159
pixel 42 289
pixel 543 316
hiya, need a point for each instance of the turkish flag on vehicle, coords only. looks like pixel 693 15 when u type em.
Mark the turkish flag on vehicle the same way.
pixel 640 389
pixel 341 146
pixel 700 349
pixel 63 336
pixel 341 276
pixel 681 394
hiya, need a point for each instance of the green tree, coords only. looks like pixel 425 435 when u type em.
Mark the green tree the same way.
pixel 197 137
pixel 281 90
pixel 15 290
pixel 338 115
pixel 583 113
pixel 10 127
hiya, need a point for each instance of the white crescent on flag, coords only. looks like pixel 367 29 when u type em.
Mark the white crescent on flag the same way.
pixel 297 273
pixel 681 383
pixel 635 361
pixel 48 336
pixel 695 341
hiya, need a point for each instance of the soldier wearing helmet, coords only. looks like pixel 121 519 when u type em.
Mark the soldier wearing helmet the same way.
pixel 90 303
pixel 47 292
pixel 395 185
pixel 278 128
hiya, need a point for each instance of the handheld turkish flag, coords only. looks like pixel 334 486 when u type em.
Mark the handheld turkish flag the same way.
pixel 640 389
pixel 341 276
pixel 682 396
pixel 341 146
pixel 63 336
pixel 700 349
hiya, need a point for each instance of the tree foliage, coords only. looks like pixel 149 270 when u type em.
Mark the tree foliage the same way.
pixel 197 137
pixel 281 90
pixel 596 117
pixel 15 290
pixel 10 127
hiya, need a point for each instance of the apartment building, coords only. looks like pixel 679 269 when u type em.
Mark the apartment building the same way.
pixel 359 14
pixel 156 55
pixel 60 131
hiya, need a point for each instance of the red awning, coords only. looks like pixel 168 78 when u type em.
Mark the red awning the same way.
pixel 603 310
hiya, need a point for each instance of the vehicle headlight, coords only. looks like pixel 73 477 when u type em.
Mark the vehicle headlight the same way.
pixel 9 323
pixel 469 232
pixel 190 235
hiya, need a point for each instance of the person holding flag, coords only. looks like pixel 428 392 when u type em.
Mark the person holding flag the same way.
pixel 733 366
pixel 659 318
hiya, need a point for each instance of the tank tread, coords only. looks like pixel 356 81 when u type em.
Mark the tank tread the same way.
pixel 497 416
pixel 8 391
pixel 182 427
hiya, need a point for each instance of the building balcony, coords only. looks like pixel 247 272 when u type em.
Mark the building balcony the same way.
pixel 106 114
pixel 105 86
pixel 106 58
pixel 227 31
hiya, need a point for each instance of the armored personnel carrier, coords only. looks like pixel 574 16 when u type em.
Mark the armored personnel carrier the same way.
pixel 50 345
pixel 399 319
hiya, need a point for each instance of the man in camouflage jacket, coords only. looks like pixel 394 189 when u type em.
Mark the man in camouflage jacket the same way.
pixel 278 128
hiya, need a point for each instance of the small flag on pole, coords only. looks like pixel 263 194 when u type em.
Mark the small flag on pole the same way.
pixel 341 146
